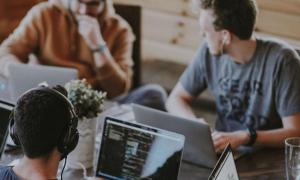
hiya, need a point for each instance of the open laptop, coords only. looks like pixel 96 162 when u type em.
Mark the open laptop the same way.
pixel 225 169
pixel 5 110
pixel 199 147
pixel 23 77
pixel 135 151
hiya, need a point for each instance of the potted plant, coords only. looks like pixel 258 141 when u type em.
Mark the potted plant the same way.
pixel 88 103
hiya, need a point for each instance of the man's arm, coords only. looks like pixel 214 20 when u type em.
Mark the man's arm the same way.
pixel 267 138
pixel 275 138
pixel 113 71
pixel 23 41
pixel 115 74
pixel 179 102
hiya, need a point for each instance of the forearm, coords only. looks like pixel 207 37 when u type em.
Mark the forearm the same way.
pixel 275 138
pixel 113 71
pixel 180 107
pixel 111 76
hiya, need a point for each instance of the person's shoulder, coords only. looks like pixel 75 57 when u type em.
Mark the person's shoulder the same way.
pixel 278 47
pixel 41 9
pixel 118 19
pixel 7 173
pixel 203 52
pixel 119 23
pixel 4 169
pixel 119 26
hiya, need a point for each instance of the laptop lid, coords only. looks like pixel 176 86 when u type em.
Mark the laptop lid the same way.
pixel 225 168
pixel 23 77
pixel 198 148
pixel 135 151
pixel 5 110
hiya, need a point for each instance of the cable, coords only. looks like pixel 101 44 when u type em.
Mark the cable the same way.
pixel 85 172
pixel 62 171
pixel 83 168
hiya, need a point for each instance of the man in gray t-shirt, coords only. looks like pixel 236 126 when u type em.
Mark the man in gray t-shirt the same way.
pixel 255 82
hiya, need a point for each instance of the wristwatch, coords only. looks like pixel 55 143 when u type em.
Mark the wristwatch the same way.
pixel 100 48
pixel 253 136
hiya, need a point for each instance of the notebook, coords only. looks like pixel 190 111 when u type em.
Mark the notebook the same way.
pixel 135 151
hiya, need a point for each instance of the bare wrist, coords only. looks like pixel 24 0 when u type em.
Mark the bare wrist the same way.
pixel 246 137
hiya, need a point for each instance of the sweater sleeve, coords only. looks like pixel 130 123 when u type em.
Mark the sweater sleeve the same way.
pixel 115 77
pixel 22 42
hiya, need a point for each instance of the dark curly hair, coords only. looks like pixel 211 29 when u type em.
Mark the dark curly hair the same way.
pixel 237 16
pixel 40 118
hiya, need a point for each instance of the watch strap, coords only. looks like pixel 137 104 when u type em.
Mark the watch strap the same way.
pixel 253 136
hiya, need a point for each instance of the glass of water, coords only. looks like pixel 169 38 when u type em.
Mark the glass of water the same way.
pixel 292 158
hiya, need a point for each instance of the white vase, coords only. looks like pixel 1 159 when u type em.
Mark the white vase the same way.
pixel 83 154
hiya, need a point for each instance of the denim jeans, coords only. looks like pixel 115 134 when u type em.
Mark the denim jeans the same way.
pixel 151 95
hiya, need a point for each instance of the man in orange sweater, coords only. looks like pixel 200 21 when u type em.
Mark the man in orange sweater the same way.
pixel 82 34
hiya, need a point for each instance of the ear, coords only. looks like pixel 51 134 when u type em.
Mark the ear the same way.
pixel 226 37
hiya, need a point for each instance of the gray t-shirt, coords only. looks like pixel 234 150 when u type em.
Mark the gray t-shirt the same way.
pixel 257 94
pixel 7 173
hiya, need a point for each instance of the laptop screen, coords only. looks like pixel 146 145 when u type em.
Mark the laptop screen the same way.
pixel 36 74
pixel 5 110
pixel 135 151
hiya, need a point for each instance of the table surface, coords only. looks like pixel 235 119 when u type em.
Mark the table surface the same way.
pixel 262 164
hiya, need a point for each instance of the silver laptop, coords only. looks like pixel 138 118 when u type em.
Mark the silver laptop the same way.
pixel 5 110
pixel 199 147
pixel 135 151
pixel 23 77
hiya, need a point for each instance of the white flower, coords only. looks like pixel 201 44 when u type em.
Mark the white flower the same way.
pixel 87 102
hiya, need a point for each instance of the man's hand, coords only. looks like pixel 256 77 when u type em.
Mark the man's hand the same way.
pixel 235 139
pixel 89 29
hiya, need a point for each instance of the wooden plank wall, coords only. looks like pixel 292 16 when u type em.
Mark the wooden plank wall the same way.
pixel 170 28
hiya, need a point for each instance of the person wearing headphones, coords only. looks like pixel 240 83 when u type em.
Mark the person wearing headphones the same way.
pixel 44 124
pixel 84 34
pixel 255 81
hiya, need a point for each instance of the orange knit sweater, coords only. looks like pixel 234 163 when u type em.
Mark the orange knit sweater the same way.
pixel 49 31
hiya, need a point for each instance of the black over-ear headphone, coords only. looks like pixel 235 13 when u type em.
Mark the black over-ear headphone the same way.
pixel 69 137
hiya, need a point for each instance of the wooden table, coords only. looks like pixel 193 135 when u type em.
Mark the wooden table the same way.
pixel 261 165
pixel 265 164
